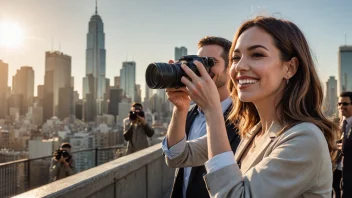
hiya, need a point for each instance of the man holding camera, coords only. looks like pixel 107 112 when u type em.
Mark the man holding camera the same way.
pixel 62 164
pixel 136 129
pixel 190 125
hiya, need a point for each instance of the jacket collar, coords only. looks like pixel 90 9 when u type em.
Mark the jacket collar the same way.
pixel 267 138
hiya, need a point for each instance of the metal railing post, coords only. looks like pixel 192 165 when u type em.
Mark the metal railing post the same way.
pixel 29 173
pixel 96 156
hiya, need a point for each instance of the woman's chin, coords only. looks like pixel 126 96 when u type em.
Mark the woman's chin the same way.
pixel 245 97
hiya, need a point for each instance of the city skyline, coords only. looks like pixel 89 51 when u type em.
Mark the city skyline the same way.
pixel 63 26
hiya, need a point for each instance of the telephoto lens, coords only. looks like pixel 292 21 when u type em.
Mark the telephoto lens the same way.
pixel 165 75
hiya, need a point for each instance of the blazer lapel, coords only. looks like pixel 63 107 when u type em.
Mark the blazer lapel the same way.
pixel 229 126
pixel 253 158
pixel 190 118
pixel 349 133
pixel 246 141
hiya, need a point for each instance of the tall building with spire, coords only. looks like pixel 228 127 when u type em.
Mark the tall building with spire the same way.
pixel 94 83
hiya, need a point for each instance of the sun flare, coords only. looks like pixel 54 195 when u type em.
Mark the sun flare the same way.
pixel 11 35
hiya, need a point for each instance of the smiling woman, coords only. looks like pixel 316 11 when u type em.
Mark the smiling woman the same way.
pixel 11 35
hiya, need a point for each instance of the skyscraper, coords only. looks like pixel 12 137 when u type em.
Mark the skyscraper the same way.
pixel 331 96
pixel 65 103
pixel 148 95
pixel 4 72
pixel 138 93
pixel 40 91
pixel 57 76
pixel 37 115
pixel 16 105
pixel 179 52
pixel 117 82
pixel 345 68
pixel 128 79
pixel 89 104
pixel 23 84
pixel 48 100
pixel 95 66
pixel 79 109
pixel 114 100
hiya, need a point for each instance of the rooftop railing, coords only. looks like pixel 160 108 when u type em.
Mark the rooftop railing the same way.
pixel 22 175
pixel 143 174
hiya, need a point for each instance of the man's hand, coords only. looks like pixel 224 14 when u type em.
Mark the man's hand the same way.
pixel 67 164
pixel 62 159
pixel 141 119
pixel 179 97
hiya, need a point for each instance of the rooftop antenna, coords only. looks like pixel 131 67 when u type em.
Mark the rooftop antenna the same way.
pixel 59 46
pixel 96 7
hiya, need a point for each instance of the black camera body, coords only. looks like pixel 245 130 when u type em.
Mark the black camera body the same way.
pixel 133 114
pixel 164 75
pixel 58 153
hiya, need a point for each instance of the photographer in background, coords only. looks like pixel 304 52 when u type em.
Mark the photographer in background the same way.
pixel 62 164
pixel 136 129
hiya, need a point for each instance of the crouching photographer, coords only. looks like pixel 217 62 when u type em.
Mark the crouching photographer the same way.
pixel 136 129
pixel 62 164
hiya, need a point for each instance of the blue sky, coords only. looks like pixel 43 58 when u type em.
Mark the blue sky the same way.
pixel 148 31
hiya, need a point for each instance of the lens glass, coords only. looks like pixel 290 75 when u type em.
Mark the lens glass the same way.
pixel 163 75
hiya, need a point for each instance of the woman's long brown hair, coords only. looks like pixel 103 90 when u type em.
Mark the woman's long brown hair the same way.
pixel 302 97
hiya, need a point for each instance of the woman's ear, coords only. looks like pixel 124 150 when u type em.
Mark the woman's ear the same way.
pixel 291 67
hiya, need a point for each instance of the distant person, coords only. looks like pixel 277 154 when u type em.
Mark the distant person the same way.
pixel 345 108
pixel 136 129
pixel 62 164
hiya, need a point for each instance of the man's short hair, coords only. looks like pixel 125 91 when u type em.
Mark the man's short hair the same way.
pixel 66 145
pixel 222 42
pixel 347 94
pixel 137 104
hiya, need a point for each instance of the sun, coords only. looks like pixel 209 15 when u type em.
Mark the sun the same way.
pixel 11 35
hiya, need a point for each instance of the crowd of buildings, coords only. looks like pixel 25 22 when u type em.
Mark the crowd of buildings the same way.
pixel 33 127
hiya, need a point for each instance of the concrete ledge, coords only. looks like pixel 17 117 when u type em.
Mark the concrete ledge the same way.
pixel 141 168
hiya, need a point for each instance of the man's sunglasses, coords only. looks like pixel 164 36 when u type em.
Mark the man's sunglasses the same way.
pixel 343 103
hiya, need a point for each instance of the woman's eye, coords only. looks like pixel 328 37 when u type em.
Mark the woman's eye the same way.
pixel 257 55
pixel 236 58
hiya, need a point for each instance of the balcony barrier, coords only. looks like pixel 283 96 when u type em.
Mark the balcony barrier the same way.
pixel 143 174
pixel 22 175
